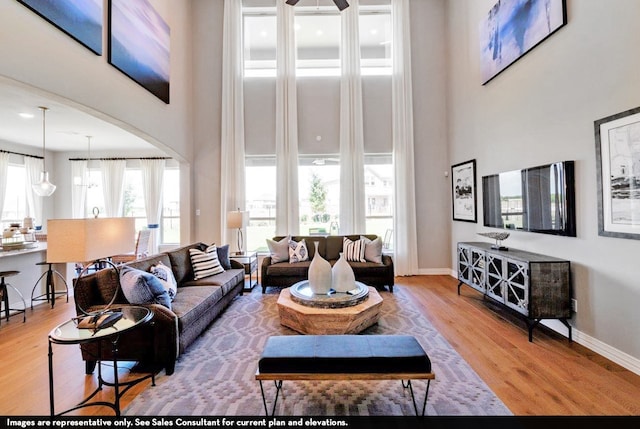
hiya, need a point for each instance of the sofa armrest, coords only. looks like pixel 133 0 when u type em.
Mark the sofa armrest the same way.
pixel 236 264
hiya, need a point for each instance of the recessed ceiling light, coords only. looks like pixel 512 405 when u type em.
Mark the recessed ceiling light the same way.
pixel 26 115
pixel 319 33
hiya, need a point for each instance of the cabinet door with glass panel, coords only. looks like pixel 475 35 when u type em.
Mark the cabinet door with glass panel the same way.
pixel 471 266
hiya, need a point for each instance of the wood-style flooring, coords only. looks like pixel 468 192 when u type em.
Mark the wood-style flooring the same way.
pixel 549 376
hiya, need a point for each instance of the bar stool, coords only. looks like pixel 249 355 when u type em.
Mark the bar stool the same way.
pixel 4 296
pixel 51 293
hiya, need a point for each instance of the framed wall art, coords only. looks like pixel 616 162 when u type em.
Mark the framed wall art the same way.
pixel 618 166
pixel 463 183
pixel 80 19
pixel 139 41
pixel 514 27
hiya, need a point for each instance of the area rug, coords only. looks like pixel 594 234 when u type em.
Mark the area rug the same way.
pixel 216 375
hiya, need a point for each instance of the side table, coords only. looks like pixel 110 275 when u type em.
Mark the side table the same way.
pixel 68 333
pixel 250 262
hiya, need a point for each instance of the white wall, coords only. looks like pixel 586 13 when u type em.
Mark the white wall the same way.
pixel 541 110
pixel 38 54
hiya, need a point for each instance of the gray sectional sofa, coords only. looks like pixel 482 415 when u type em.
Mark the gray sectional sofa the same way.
pixel 196 304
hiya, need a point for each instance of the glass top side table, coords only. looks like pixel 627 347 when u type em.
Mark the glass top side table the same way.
pixel 250 261
pixel 68 333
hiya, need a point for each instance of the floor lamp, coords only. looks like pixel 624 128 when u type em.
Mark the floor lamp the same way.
pixel 91 239
pixel 237 220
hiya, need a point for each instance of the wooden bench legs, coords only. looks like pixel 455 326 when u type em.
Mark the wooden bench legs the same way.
pixel 278 386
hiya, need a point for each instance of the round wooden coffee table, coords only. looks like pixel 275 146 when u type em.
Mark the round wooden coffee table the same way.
pixel 326 321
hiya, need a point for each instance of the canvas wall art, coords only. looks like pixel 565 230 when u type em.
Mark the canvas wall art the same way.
pixel 139 44
pixel 618 165
pixel 80 19
pixel 514 27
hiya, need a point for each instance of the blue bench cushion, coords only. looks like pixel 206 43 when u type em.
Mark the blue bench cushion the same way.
pixel 348 354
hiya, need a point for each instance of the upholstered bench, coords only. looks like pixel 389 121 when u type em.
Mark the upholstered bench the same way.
pixel 343 357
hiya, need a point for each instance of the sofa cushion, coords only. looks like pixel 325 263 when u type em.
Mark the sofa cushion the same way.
pixel 368 269
pixel 353 251
pixel 205 263
pixel 287 269
pixel 279 250
pixel 372 249
pixel 165 275
pixel 227 279
pixel 141 287
pixel 298 251
pixel 193 302
pixel 181 262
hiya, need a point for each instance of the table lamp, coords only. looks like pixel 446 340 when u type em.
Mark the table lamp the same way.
pixel 91 239
pixel 237 220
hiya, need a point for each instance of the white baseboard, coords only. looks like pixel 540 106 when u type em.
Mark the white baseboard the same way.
pixel 623 359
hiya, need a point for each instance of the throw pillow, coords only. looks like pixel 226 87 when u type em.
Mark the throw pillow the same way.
pixel 166 277
pixel 279 250
pixel 140 287
pixel 205 263
pixel 372 249
pixel 298 251
pixel 353 250
pixel 223 256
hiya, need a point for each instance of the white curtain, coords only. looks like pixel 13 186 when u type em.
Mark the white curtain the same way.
pixel 404 219
pixel 152 184
pixel 113 186
pixel 232 192
pixel 4 171
pixel 287 217
pixel 33 167
pixel 79 173
pixel 352 195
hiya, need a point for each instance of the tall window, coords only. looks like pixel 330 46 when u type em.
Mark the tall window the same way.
pixel 15 200
pixel 319 191
pixel 134 201
pixel 317 40
pixel 260 174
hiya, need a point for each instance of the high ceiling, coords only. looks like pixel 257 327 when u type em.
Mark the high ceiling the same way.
pixel 66 125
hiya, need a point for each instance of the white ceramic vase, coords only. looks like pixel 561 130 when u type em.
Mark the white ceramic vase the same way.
pixel 319 274
pixel 342 275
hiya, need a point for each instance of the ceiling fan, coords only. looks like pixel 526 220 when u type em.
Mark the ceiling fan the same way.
pixel 341 4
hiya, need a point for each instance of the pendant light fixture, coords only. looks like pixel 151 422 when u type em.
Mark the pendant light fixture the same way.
pixel 80 181
pixel 43 188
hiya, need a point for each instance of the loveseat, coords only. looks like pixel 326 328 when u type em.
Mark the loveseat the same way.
pixel 195 305
pixel 286 273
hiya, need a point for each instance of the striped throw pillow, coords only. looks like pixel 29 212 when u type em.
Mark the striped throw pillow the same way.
pixel 353 250
pixel 205 263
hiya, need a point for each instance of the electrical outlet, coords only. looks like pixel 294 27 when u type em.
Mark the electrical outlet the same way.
pixel 574 305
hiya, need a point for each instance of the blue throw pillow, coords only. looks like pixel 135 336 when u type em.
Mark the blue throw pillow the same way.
pixel 140 287
pixel 223 256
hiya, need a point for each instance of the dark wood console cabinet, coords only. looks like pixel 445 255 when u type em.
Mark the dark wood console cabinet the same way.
pixel 533 285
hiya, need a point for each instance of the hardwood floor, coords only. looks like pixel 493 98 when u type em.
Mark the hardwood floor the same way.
pixel 547 377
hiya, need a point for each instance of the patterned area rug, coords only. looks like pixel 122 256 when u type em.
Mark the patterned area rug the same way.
pixel 216 376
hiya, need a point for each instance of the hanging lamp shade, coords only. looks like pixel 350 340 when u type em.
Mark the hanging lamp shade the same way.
pixel 43 188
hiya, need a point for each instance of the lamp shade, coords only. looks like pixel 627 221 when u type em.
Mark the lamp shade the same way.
pixel 237 219
pixel 75 240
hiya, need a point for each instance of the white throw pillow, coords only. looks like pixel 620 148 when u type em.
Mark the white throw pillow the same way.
pixel 372 249
pixel 353 250
pixel 279 250
pixel 166 277
pixel 205 263
pixel 298 251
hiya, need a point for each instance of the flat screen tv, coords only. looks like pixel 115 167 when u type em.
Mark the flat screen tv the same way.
pixel 538 199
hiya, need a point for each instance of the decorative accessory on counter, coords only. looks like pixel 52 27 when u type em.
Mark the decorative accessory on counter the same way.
pixel 498 236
